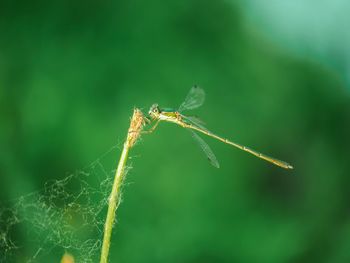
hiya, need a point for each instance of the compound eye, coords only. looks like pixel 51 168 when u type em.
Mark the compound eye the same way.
pixel 155 110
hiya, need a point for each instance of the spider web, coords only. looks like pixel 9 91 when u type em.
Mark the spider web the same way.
pixel 67 215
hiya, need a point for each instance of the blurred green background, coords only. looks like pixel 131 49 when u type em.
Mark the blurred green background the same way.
pixel 72 71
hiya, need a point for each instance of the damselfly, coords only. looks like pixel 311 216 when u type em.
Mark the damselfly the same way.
pixel 195 99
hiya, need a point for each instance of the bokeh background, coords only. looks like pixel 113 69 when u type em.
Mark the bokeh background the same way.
pixel 276 76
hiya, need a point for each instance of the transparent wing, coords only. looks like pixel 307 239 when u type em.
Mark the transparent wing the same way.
pixel 194 99
pixel 206 149
pixel 194 121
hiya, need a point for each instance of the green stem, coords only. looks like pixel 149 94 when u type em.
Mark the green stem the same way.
pixel 134 132
pixel 113 203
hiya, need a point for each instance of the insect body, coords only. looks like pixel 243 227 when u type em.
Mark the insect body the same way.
pixel 195 99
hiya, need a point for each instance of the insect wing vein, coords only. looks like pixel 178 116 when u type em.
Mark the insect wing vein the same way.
pixel 206 149
pixel 194 99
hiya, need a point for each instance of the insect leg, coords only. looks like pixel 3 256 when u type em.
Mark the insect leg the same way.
pixel 152 128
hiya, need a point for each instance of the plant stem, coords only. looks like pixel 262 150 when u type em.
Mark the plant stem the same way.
pixel 136 125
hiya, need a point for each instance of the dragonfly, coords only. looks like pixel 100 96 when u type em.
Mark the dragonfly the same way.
pixel 194 99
